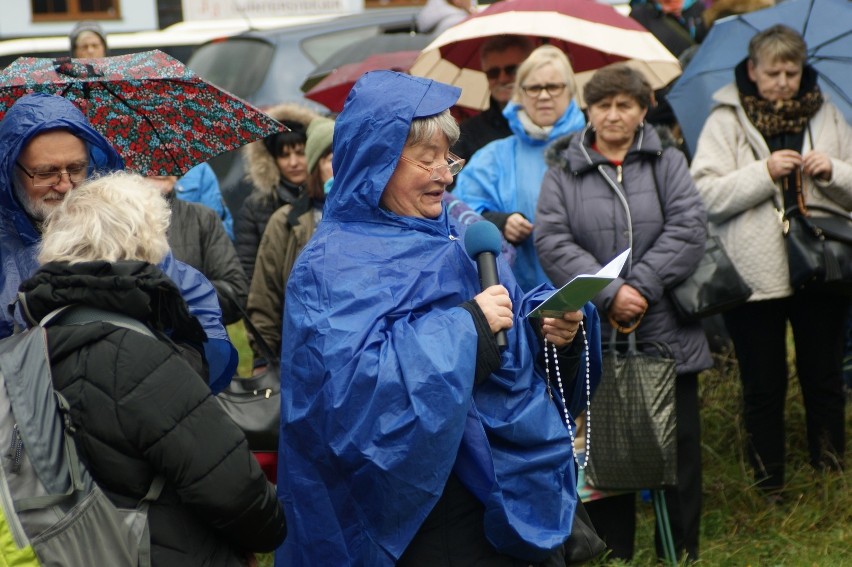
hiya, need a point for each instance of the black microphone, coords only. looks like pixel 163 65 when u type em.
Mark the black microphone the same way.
pixel 482 242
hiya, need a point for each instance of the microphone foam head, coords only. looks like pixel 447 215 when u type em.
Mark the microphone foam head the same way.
pixel 482 236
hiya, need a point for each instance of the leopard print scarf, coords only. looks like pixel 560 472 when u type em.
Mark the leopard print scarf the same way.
pixel 772 118
pixel 775 117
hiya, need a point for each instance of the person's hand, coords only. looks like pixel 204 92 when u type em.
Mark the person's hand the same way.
pixel 628 304
pixel 495 303
pixel 817 164
pixel 517 228
pixel 561 332
pixel 782 163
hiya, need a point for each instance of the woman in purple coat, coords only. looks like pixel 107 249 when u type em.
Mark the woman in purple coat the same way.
pixel 610 187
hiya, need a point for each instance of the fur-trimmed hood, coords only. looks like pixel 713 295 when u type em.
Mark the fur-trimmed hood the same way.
pixel 261 169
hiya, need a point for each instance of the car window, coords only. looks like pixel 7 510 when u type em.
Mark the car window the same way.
pixel 320 47
pixel 237 65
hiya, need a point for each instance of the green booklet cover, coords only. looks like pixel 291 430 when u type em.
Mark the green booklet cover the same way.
pixel 573 295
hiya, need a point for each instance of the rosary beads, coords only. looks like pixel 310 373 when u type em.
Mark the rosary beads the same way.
pixel 559 387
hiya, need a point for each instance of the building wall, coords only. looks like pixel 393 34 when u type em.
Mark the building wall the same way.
pixel 17 21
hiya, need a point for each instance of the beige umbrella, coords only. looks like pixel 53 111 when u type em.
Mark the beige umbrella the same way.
pixel 592 34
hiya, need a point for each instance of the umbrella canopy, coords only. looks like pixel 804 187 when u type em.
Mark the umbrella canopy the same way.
pixel 360 50
pixel 334 88
pixel 592 34
pixel 161 117
pixel 826 26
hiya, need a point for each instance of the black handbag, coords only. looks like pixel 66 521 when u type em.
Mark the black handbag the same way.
pixel 819 248
pixel 714 287
pixel 584 543
pixel 255 403
pixel 635 436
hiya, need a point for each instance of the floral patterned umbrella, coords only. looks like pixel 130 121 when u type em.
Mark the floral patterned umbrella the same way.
pixel 160 116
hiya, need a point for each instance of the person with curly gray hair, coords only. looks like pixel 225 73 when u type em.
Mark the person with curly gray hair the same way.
pixel 139 410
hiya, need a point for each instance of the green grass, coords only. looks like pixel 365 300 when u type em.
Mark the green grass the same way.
pixel 812 528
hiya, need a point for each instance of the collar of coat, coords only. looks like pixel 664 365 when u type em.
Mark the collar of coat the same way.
pixel 650 142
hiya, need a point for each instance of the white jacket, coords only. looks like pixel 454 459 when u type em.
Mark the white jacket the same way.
pixel 731 174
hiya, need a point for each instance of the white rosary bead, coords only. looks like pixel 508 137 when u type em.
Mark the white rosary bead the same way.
pixel 567 416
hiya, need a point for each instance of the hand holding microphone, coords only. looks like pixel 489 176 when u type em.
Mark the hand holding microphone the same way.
pixel 482 243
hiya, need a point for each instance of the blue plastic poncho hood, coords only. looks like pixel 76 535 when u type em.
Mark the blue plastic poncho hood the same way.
pixel 378 401
pixel 38 113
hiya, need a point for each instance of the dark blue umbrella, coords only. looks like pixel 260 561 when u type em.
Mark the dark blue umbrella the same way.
pixel 826 26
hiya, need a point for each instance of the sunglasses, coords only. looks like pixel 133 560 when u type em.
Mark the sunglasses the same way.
pixel 494 72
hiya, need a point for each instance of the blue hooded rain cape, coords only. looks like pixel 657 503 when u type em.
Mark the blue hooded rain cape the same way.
pixel 37 113
pixel 378 401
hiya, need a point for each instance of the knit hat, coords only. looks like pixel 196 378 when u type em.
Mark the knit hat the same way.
pixel 85 26
pixel 320 134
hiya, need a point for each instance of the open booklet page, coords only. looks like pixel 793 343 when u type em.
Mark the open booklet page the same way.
pixel 573 295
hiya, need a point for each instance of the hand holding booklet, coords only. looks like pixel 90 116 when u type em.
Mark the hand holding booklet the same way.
pixel 573 295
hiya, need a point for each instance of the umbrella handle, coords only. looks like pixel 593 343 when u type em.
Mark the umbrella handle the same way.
pixel 70 68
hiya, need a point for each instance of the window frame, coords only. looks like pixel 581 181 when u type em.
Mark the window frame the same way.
pixel 75 14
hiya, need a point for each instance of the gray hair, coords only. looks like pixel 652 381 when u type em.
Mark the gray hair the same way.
pixel 422 129
pixel 541 56
pixel 778 43
pixel 114 217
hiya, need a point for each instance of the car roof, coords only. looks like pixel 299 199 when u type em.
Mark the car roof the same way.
pixel 267 66
pixel 397 18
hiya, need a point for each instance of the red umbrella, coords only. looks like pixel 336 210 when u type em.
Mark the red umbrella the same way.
pixel 334 88
pixel 592 34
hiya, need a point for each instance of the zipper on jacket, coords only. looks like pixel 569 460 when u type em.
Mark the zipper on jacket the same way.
pixel 16 450
pixel 618 173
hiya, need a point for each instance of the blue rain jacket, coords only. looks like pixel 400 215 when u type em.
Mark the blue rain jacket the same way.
pixel 505 176
pixel 378 401
pixel 19 238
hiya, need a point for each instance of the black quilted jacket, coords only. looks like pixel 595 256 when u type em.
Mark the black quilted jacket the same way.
pixel 197 238
pixel 140 410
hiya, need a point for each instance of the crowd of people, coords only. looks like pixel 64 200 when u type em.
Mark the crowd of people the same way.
pixel 409 434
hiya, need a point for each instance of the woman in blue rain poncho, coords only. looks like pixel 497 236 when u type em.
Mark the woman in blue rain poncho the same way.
pixel 407 436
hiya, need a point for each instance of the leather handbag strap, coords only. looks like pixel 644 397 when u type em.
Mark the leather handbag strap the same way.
pixel 262 345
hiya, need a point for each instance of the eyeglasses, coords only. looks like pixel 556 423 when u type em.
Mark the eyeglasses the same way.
pixel 76 174
pixel 553 89
pixel 454 165
pixel 494 72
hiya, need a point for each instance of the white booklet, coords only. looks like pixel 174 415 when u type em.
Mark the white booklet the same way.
pixel 573 295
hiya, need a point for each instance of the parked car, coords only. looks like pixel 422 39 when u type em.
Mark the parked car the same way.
pixel 267 67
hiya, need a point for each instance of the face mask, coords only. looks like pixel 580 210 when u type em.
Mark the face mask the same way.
pixel 326 187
